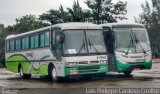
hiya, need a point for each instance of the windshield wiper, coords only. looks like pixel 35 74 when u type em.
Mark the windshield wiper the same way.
pixel 131 42
pixel 83 45
pixel 137 41
pixel 90 44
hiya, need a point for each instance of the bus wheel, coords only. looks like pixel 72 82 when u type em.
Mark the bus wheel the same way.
pixel 127 73
pixel 53 74
pixel 24 76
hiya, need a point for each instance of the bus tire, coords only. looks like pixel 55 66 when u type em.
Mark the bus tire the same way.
pixel 53 74
pixel 24 76
pixel 127 73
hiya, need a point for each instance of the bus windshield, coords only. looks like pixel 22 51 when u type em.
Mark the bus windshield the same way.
pixel 131 40
pixel 83 41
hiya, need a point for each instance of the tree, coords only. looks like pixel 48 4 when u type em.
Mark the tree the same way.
pixel 1 37
pixel 64 16
pixel 56 16
pixel 99 11
pixel 76 12
pixel 105 11
pixel 145 17
pixel 23 24
pixel 1 27
pixel 150 17
pixel 51 16
pixel 2 45
pixel 27 23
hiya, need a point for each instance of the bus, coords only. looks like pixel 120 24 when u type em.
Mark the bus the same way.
pixel 128 47
pixel 58 51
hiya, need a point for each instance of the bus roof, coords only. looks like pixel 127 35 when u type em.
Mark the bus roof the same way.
pixel 122 25
pixel 63 26
pixel 78 25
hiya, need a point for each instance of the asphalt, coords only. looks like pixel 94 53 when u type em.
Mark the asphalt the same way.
pixel 138 79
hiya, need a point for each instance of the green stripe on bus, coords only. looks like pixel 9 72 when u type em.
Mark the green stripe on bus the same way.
pixel 13 62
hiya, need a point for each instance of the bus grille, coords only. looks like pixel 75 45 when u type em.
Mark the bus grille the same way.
pixel 135 62
pixel 136 56
pixel 85 69
pixel 91 62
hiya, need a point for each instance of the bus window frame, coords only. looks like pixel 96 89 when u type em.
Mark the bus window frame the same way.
pixel 82 54
pixel 20 37
pixel 53 43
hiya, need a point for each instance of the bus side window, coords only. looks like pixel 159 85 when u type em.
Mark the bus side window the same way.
pixel 17 44
pixel 47 40
pixel 42 38
pixel 12 45
pixel 54 35
pixel 27 42
pixel 36 40
pixel 54 32
pixel 32 41
pixel 58 45
pixel 53 39
pixel 23 43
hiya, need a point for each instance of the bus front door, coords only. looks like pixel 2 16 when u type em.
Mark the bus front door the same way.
pixel 109 42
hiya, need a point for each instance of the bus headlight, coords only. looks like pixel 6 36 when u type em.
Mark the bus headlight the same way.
pixel 121 61
pixel 148 60
pixel 71 63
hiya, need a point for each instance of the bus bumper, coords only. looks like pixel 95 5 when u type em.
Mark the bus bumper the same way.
pixel 85 69
pixel 133 66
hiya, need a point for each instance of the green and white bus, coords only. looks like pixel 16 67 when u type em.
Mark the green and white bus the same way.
pixel 60 50
pixel 128 47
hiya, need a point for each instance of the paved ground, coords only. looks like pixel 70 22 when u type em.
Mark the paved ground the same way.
pixel 139 79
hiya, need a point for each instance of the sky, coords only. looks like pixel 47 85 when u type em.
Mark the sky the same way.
pixel 12 9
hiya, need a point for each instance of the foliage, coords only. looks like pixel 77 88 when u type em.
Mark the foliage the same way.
pixel 1 27
pixel 60 16
pixel 78 14
pixel 2 56
pixel 27 23
pixel 100 11
pixel 151 18
pixel 105 11
pixel 51 16
pixel 64 16
pixel 23 24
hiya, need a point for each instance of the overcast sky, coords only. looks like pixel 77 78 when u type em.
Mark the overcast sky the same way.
pixel 11 9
